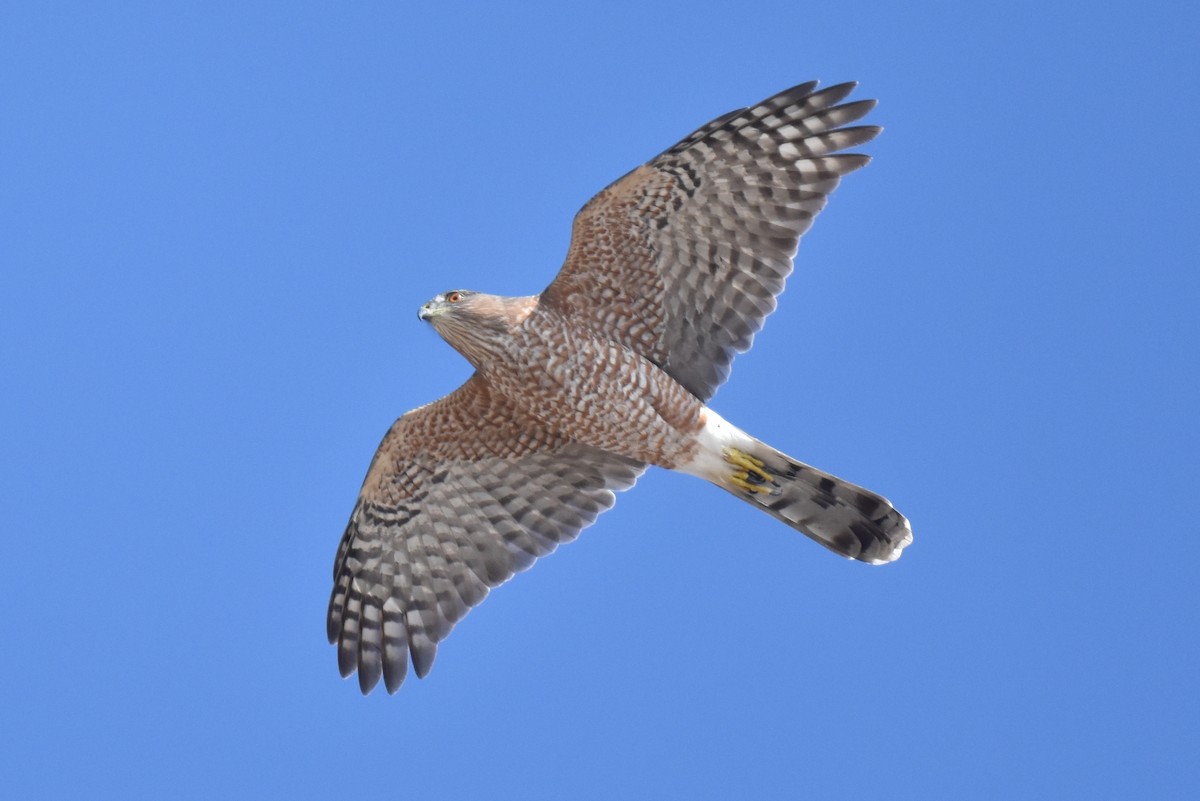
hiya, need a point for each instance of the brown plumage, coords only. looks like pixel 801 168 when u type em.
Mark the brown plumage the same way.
pixel 670 272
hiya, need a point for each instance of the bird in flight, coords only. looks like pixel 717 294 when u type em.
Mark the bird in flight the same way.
pixel 670 272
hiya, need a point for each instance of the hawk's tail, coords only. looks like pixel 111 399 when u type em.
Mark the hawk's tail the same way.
pixel 843 517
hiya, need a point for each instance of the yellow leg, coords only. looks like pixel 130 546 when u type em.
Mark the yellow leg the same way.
pixel 743 460
pixel 751 477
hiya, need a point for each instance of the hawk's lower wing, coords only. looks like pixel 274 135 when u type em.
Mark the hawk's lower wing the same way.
pixel 462 494
pixel 681 260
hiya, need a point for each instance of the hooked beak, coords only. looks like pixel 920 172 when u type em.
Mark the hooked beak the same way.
pixel 426 311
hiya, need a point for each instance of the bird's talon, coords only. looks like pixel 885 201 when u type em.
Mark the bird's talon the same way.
pixel 743 459
pixel 751 477
pixel 739 480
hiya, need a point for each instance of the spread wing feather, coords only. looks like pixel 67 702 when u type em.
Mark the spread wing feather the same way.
pixel 682 259
pixel 462 494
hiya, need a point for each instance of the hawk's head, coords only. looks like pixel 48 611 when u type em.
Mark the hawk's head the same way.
pixel 476 324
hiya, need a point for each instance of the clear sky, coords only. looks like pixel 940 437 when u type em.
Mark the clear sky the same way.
pixel 219 219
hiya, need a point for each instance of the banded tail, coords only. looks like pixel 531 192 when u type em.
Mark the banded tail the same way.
pixel 844 517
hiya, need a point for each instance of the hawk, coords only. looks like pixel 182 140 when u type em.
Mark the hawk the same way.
pixel 670 272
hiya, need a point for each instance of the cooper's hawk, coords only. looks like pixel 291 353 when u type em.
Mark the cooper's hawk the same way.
pixel 670 272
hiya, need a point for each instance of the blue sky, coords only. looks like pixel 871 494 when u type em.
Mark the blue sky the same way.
pixel 218 223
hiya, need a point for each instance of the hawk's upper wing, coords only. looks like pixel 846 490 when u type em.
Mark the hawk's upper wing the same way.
pixel 462 493
pixel 681 260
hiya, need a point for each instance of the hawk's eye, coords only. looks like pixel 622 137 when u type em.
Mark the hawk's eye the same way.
pixel 454 297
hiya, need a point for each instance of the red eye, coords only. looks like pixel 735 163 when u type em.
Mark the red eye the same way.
pixel 454 297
